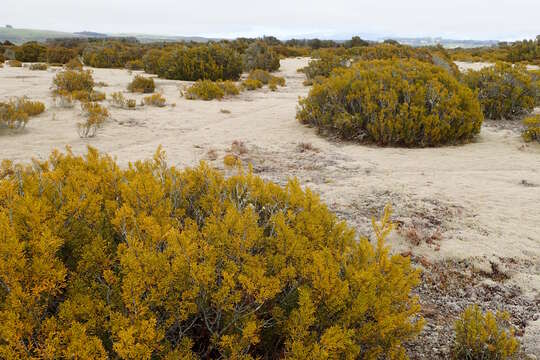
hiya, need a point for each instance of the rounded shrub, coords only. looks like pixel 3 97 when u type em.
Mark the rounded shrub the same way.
pixel 71 80
pixel 259 55
pixel 152 262
pixel 31 52
pixel 14 114
pixel 532 128
pixel 141 84
pixel 505 91
pixel 394 102
pixel 205 90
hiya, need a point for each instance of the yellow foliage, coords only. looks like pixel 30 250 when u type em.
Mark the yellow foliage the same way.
pixel 394 102
pixel 14 63
pixel 532 131
pixel 155 100
pixel 154 262
pixel 72 80
pixel 483 336
pixel 95 115
pixel 15 113
pixel 38 66
pixel 252 84
pixel 209 90
pixel 141 84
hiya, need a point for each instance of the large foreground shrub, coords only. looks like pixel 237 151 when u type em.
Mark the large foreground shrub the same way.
pixel 154 262
pixel 72 80
pixel 394 102
pixel 504 90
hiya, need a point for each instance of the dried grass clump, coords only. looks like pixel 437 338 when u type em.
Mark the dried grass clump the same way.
pixel 95 116
pixel 252 84
pixel 141 84
pixel 155 100
pixel 15 113
pixel 257 78
pixel 86 96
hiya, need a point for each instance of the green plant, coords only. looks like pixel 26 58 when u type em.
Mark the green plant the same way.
pixel 259 55
pixel 149 261
pixel 31 52
pixel 483 336
pixel 15 113
pixel 71 80
pixel 229 87
pixel 394 102
pixel 155 100
pixel 504 90
pixel 95 115
pixel 532 128
pixel 39 66
pixel 141 84
pixel 59 54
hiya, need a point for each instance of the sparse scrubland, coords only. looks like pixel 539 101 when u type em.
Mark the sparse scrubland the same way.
pixel 526 51
pixel 143 260
pixel 394 102
pixel 154 262
pixel 504 90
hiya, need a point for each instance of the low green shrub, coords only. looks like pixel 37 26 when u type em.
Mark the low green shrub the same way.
pixel 505 91
pixel 71 80
pixel 15 113
pixel 532 128
pixel 38 66
pixel 394 102
pixel 483 336
pixel 259 55
pixel 31 52
pixel 141 84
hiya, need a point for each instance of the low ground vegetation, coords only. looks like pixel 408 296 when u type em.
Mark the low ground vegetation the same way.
pixel 95 115
pixel 157 100
pixel 532 128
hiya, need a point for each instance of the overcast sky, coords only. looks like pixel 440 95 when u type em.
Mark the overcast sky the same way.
pixel 463 19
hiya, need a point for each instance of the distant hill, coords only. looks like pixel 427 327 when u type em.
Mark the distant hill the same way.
pixel 19 36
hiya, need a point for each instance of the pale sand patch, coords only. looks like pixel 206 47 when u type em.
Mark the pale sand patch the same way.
pixel 483 198
pixel 464 66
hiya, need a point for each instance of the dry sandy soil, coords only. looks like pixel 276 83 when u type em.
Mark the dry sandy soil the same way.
pixel 469 215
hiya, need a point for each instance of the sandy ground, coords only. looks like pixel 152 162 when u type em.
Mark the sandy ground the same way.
pixel 464 66
pixel 478 203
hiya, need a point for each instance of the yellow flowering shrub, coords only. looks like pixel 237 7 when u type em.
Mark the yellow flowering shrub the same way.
pixel 141 84
pixel 393 102
pixel 15 113
pixel 95 115
pixel 72 80
pixel 483 336
pixel 154 262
